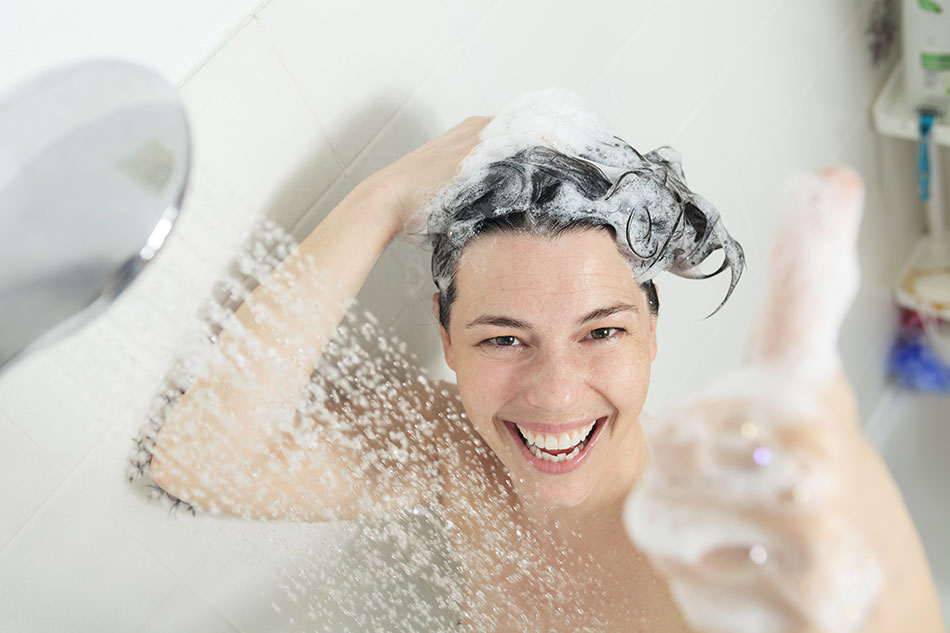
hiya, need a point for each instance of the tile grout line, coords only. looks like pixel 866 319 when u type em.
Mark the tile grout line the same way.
pixel 292 230
pixel 725 74
pixel 145 547
pixel 608 67
pixel 197 594
pixel 230 35
pixel 345 168
pixel 121 525
pixel 16 426
pixel 313 115
pixel 457 48
pixel 49 496
pixel 136 405
pixel 33 515
pixel 159 607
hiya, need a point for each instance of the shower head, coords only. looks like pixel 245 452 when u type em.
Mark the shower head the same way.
pixel 93 166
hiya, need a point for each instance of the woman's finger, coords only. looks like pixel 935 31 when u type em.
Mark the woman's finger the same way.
pixel 813 274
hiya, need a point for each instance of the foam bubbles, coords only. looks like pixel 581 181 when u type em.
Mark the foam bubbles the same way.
pixel 744 502
pixel 551 157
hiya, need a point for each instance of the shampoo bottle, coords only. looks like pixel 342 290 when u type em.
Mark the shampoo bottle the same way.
pixel 926 52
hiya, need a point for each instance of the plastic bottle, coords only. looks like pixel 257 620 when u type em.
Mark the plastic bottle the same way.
pixel 926 51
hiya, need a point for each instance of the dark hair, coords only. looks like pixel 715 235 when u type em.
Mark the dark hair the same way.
pixel 657 222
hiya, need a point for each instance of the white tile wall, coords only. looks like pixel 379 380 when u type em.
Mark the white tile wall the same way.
pixel 23 461
pixel 540 44
pixel 185 612
pixel 354 64
pixel 75 569
pixel 172 37
pixel 174 537
pixel 253 133
pixel 65 408
pixel 306 100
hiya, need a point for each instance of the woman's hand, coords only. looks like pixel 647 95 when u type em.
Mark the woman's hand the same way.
pixel 763 504
pixel 413 179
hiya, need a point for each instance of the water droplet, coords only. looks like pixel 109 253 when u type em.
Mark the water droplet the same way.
pixel 762 456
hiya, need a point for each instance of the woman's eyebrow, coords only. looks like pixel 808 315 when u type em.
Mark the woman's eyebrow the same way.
pixel 499 321
pixel 508 322
pixel 601 313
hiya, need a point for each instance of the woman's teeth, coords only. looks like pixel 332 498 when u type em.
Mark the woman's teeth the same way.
pixel 548 457
pixel 540 443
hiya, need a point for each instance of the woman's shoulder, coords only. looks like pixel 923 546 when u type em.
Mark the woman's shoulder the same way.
pixel 467 466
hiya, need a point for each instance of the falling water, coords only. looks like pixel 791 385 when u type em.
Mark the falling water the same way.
pixel 371 428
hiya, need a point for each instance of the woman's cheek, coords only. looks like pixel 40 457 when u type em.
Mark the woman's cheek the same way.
pixel 624 376
pixel 485 386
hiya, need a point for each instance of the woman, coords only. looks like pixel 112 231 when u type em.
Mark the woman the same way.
pixel 550 329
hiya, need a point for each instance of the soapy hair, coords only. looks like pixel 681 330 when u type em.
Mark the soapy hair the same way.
pixel 657 222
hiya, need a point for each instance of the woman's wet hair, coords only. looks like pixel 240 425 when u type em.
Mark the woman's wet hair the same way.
pixel 657 222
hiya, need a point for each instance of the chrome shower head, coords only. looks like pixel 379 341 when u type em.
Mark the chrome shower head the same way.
pixel 93 165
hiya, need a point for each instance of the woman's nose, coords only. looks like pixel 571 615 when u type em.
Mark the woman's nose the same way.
pixel 555 382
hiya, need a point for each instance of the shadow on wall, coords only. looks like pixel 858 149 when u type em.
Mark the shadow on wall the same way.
pixel 399 289
pixel 342 576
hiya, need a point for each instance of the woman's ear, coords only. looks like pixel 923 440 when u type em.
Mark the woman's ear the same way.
pixel 443 334
pixel 653 320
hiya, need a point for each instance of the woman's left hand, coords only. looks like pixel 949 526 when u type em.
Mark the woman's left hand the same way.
pixel 763 504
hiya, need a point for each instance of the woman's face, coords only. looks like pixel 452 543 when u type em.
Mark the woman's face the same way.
pixel 551 340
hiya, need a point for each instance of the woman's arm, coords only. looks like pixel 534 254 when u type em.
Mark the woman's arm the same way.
pixel 763 503
pixel 229 444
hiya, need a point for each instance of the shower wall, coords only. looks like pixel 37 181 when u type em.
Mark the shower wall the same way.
pixel 173 36
pixel 303 100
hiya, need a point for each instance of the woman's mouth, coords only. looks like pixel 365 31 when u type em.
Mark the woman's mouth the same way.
pixel 556 453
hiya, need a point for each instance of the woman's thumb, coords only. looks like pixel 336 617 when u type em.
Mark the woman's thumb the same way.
pixel 813 274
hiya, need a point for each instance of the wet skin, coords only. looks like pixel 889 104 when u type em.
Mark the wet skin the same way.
pixel 551 333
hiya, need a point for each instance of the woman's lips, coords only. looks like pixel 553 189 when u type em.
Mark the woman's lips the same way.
pixel 557 468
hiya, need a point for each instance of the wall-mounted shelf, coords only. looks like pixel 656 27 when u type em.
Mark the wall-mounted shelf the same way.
pixel 928 259
pixel 893 115
pixel 929 263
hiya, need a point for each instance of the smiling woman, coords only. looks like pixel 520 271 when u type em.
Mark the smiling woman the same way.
pixel 551 341
pixel 547 314
pixel 546 241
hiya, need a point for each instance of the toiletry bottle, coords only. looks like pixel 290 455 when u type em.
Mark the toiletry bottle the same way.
pixel 926 51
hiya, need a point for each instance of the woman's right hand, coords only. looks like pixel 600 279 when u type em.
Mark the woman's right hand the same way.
pixel 412 180
pixel 763 504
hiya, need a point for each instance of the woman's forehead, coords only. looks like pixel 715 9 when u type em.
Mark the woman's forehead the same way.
pixel 576 267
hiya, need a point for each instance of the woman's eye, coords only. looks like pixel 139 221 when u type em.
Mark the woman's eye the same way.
pixel 503 341
pixel 604 333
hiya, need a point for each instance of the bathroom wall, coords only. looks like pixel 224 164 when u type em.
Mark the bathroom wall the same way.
pixel 173 37
pixel 303 100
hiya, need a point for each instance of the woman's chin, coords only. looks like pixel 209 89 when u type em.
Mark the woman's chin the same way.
pixel 559 496
pixel 546 492
pixel 545 484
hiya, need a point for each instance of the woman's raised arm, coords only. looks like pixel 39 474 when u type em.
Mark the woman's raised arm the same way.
pixel 228 444
pixel 763 504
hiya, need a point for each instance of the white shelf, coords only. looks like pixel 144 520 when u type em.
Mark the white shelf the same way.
pixel 893 115
pixel 931 255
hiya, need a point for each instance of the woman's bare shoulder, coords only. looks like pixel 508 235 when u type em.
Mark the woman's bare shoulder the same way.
pixel 466 464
